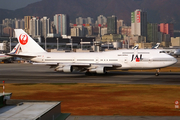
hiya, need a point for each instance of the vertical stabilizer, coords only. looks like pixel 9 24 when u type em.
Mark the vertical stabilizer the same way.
pixel 15 49
pixel 136 47
pixel 156 46
pixel 28 45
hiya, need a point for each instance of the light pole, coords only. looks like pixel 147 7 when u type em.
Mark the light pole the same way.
pixel 93 45
pixel 81 44
pixel 57 43
pixel 10 43
pixel 71 45
pixel 45 43
pixel 108 44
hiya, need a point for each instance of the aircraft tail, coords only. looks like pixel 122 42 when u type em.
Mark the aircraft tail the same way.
pixel 15 49
pixel 156 46
pixel 27 44
pixel 136 47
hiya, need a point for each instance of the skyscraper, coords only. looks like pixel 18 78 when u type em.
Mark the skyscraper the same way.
pixel 139 23
pixel 112 25
pixel 61 22
pixel 90 20
pixel 120 23
pixel 45 26
pixel 80 21
pixel 152 32
pixel 26 23
pixel 34 27
pixel 167 28
pixel 19 24
pixel 101 20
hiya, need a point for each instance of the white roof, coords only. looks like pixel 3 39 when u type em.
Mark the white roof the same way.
pixel 26 111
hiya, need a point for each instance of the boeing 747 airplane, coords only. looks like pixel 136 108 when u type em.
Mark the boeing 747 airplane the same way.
pixel 93 62
pixel 14 51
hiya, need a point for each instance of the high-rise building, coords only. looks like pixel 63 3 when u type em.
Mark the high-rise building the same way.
pixel 112 25
pixel 167 28
pixel 80 20
pixel 34 27
pixel 101 20
pixel 61 22
pixel 9 22
pixel 120 23
pixel 152 32
pixel 103 31
pixel 75 31
pixel 90 20
pixel 26 23
pixel 19 24
pixel 125 30
pixel 45 26
pixel 1 29
pixel 139 23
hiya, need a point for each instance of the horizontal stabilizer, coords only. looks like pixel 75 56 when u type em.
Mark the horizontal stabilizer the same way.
pixel 22 56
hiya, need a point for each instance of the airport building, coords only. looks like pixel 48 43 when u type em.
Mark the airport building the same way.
pixel 29 110
pixel 175 41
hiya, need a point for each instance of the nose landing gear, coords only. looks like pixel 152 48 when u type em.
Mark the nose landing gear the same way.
pixel 157 72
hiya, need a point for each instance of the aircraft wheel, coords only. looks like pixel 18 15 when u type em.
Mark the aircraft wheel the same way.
pixel 157 72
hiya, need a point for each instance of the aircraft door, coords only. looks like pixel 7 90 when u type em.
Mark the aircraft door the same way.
pixel 125 60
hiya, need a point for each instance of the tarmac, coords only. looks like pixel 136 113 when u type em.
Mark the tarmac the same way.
pixel 28 73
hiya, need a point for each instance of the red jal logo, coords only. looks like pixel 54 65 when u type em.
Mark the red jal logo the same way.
pixel 23 39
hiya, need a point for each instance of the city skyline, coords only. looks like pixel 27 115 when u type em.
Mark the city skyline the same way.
pixel 157 12
pixel 111 29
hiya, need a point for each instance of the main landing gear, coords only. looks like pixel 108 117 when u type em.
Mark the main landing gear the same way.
pixel 157 72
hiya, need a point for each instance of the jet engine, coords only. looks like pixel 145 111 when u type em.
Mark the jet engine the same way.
pixel 65 69
pixel 100 70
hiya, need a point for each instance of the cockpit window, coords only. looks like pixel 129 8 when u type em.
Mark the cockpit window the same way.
pixel 162 52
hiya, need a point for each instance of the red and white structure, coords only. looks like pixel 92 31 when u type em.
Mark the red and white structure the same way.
pixel 176 104
pixel 139 23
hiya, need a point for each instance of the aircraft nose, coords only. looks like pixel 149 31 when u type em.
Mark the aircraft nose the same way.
pixel 174 60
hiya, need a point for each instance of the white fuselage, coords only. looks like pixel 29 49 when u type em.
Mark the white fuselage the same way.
pixel 128 59
pixel 3 57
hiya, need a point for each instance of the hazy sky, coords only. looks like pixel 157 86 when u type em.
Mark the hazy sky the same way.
pixel 15 4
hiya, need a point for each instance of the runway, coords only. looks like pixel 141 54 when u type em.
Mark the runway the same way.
pixel 28 73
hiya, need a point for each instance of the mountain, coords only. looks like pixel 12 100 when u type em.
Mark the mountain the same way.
pixel 158 10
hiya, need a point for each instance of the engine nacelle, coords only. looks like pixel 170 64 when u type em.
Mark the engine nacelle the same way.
pixel 65 69
pixel 100 70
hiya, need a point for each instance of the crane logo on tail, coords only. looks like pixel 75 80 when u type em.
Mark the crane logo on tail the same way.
pixel 23 39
